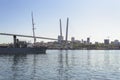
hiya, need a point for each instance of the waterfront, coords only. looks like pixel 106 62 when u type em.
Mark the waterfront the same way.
pixel 62 65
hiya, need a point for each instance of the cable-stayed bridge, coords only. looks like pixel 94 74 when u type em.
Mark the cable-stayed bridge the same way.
pixel 37 37
pixel 28 36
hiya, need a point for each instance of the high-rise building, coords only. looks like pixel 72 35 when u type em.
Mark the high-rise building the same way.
pixel 72 39
pixel 60 39
pixel 88 40
pixel 106 41
pixel 116 42
pixel 82 40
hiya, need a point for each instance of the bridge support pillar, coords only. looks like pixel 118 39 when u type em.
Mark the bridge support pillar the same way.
pixel 14 40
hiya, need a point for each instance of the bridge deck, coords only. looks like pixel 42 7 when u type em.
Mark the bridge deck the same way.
pixel 7 34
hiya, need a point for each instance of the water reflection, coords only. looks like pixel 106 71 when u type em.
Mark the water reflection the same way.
pixel 88 58
pixel 34 67
pixel 66 66
pixel 62 65
pixel 60 61
pixel 18 66
pixel 73 57
pixel 63 69
pixel 106 59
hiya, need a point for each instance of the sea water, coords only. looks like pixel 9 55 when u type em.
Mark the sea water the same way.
pixel 62 65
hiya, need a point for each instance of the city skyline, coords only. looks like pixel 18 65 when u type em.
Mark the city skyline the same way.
pixel 89 18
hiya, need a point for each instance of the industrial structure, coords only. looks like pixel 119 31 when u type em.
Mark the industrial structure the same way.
pixel 67 33
pixel 63 44
pixel 60 37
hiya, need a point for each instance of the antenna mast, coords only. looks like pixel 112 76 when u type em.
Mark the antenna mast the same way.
pixel 33 28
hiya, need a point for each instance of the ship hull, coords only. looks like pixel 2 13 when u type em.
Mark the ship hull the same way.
pixel 41 50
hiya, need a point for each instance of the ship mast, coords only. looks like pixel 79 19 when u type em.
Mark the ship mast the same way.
pixel 33 28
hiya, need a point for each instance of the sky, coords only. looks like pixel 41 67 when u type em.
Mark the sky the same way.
pixel 97 19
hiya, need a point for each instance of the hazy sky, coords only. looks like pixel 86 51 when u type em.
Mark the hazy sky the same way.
pixel 96 18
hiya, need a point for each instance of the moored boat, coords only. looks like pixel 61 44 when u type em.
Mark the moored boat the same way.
pixel 27 50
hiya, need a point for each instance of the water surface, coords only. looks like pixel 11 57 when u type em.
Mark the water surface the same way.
pixel 62 65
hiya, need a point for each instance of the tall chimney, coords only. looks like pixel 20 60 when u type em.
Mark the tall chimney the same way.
pixel 60 28
pixel 67 33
